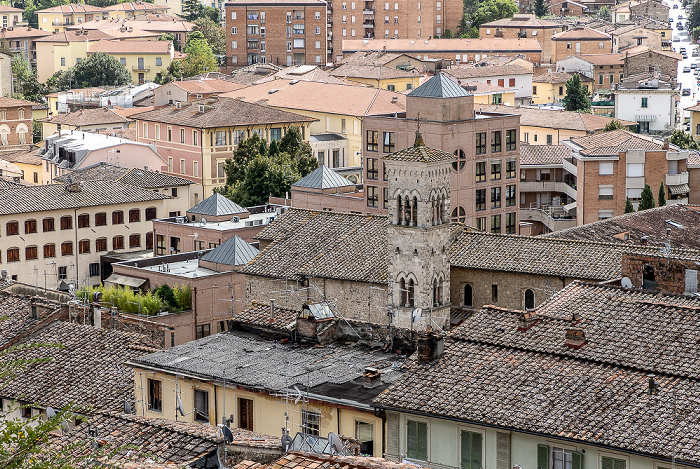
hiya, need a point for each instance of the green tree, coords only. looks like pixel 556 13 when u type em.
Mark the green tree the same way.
pixel 613 125
pixel 604 12
pixel 235 167
pixel 213 33
pixel 540 9
pixel 694 17
pixel 683 140
pixel 99 69
pixel 262 149
pixel 200 58
pixel 26 84
pixel 491 10
pixel 629 208
pixel 192 9
pixel 212 13
pixel 662 195
pixel 447 34
pixel 577 97
pixel 647 201
pixel 274 148
pixel 463 26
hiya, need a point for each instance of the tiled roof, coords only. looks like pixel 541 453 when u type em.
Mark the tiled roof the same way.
pixel 555 119
pixel 543 154
pixel 650 224
pixel 134 6
pixel 299 460
pixel 261 315
pixel 643 49
pixel 234 251
pixel 94 116
pixel 221 112
pixel 12 102
pixel 75 36
pixel 323 97
pixel 86 370
pixel 557 77
pixel 616 141
pixel 372 72
pixel 144 178
pixel 323 244
pixel 583 33
pixel 420 154
pixel 419 46
pixel 602 59
pixel 303 72
pixel 128 438
pixel 547 256
pixel 466 71
pixel 274 2
pixel 217 205
pixel 72 8
pixel 694 159
pixel 322 177
pixel 16 316
pixel 207 86
pixel 17 32
pixel 370 58
pixel 57 197
pixel 520 21
pixel 130 47
pixel 439 86
pixel 21 156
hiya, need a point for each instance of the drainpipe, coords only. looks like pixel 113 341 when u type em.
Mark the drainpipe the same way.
pixel 194 309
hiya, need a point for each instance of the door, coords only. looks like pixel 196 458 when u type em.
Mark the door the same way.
pixel 140 63
pixel 245 413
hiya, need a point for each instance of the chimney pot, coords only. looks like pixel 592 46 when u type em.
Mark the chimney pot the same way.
pixel 371 378
pixel 527 320
pixel 575 338
pixel 431 345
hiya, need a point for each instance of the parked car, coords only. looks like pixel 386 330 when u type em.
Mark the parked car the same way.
pixel 686 92
pixel 694 53
pixel 693 66
pixel 676 39
pixel 675 7
pixel 686 69
pixel 682 49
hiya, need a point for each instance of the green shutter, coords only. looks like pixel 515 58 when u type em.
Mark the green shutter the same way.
pixel 543 457
pixel 466 450
pixel 411 438
pixel 619 464
pixel 576 461
pixel 471 451
pixel 476 451
pixel 417 440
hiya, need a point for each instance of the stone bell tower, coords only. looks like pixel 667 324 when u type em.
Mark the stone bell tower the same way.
pixel 419 235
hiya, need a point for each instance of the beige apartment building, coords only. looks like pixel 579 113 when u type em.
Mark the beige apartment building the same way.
pixel 580 40
pixel 293 32
pixel 523 27
pixel 55 19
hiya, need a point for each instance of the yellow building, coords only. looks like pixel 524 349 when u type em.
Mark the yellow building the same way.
pixel 55 19
pixel 261 385
pixel 386 78
pixel 28 162
pixel 144 59
pixel 486 93
pixel 131 9
pixel 337 111
pixel 694 112
pixel 550 88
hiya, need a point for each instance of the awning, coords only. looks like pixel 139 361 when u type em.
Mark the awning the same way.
pixel 645 118
pixel 132 282
pixel 570 207
pixel 679 189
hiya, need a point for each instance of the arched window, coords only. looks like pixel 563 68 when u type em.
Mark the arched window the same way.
pixel 118 242
pixel 101 219
pixel 149 240
pixel 459 215
pixel 134 215
pixel 66 222
pixel 48 224
pixel 411 293
pixel 150 213
pixel 67 248
pixel 468 296
pixel 49 250
pixel 529 299
pixel 13 255
pixel 29 226
pixel 117 217
pixel 31 252
pixel 135 240
pixel 403 293
pixel 101 244
pixel 461 160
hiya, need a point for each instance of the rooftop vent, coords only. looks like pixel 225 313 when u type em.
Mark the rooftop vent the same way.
pixel 575 338
pixel 273 90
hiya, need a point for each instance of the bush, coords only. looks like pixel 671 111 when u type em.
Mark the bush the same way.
pixel 166 294
pixel 183 297
pixel 126 300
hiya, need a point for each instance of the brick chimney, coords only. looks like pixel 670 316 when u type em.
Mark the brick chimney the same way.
pixel 575 338
pixel 527 320
pixel 371 378
pixel 430 346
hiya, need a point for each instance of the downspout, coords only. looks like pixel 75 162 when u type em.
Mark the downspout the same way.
pixel 194 310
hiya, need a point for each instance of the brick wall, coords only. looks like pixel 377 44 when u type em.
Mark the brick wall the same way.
pixel 651 9
pixel 640 64
pixel 669 273
pixel 564 48
pixel 16 123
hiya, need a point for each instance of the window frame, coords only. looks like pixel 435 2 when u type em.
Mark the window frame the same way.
pixel 425 422
pixel 388 145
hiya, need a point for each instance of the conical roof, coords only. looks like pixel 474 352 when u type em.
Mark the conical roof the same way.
pixel 233 251
pixel 217 205
pixel 322 177
pixel 440 86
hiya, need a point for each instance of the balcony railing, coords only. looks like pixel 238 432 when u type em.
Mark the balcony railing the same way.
pixel 553 217
pixel 143 68
pixel 677 179
pixel 548 186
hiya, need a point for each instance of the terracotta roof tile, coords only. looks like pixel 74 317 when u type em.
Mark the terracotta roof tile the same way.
pixel 464 71
pixel 555 119
pixel 490 45
pixel 130 47
pixel 94 116
pixel 543 154
pixel 583 33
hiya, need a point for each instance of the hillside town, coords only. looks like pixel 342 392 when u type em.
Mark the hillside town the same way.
pixel 330 234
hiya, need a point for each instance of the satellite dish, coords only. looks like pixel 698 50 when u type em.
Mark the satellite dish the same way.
pixel 336 443
pixel 287 442
pixel 50 413
pixel 65 426
pixel 228 435
pixel 626 282
pixel 180 407
pixel 416 314
pixel 127 407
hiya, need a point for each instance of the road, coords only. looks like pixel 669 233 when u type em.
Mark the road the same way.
pixel 686 80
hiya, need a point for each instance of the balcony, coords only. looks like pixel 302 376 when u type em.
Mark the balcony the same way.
pixel 548 186
pixel 141 68
pixel 548 217
pixel 367 12
pixel 368 24
pixel 677 179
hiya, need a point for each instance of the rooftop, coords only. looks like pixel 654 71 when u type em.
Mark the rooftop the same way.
pixel 72 8
pixel 6 102
pixel 16 317
pixel 581 33
pixel 221 112
pixel 372 72
pixel 302 72
pixel 473 71
pixel 555 119
pixel 21 156
pixel 89 116
pixel 557 77
pixel 234 252
pixel 546 155
pixel 76 36
pixel 420 154
pixel 130 47
pixel 22 32
pixel 372 58
pixel 439 86
pixel 134 176
pixel 217 205
pixel 254 219
pixel 322 177
pixel 134 6
pixel 297 459
pixel 520 21
pixel 602 59
pixel 616 141
pixel 207 86
pixel 521 46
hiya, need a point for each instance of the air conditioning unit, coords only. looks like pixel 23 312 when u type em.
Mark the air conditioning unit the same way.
pixel 236 219
pixel 180 220
pixel 178 104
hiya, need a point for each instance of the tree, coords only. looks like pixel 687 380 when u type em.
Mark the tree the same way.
pixel 647 201
pixel 99 69
pixel 694 17
pixel 212 13
pixel 274 148
pixel 213 33
pixel 26 84
pixel 613 125
pixel 683 140
pixel 662 195
pixel 200 58
pixel 540 9
pixel 577 97
pixel 192 9
pixel 447 34
pixel 491 10
pixel 463 26
pixel 604 12
pixel 629 208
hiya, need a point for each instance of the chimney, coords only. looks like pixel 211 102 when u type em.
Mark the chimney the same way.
pixel 644 241
pixel 575 338
pixel 666 144
pixel 653 387
pixel 527 320
pixel 431 345
pixel 371 378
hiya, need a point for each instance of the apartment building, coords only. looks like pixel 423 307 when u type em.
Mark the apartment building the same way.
pixel 131 9
pixel 549 88
pixel 21 40
pixel 521 27
pixel 370 19
pixel 604 69
pixel 648 99
pixel 55 19
pixel 512 76
pixel 15 122
pixel 145 60
pixel 484 174
pixel 580 40
pixel 10 16
pixel 294 32
pixel 193 90
pixel 613 166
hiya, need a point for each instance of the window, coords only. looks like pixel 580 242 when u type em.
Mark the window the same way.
pixel 195 142
pixel 534 90
pixel 372 140
pixel 605 192
pixel 135 240
pixel 645 102
pixel 511 140
pixel 496 98
pixel 173 192
pixel 510 196
pixel 391 87
pixel 31 252
pixel 12 228
pixel 510 223
pixel 100 244
pixel 201 405
pixel 48 225
pixel 174 244
pixel 480 199
pixel 495 197
pixel 233 15
pixel 155 395
pixel 94 269
pixel 101 219
pixel 480 171
pixel 317 15
pixel 417 440
pixel 612 80
pixel 30 226
pixel 635 170
pixel 496 170
pixel 461 160
pixel 480 143
pixel 49 250
pixel 600 79
pixel 389 142
pixel 134 215
pixel 84 220
pixel 118 242
pixel 372 196
pixel 245 413
pixel 157 126
pixel 67 248
pixel 511 81
pixel 459 215
pixel 150 213
pixel 510 168
pixel 372 168
pixel 234 31
pixel 117 217
pixel 364 433
pixel 470 450
pixel 494 293
pixel 183 170
pixel 220 139
pixel 605 168
pixel 13 255
pixel 496 142
pixel 62 272
pixel 311 422
pixel 481 223
pixel 149 240
pixel 160 246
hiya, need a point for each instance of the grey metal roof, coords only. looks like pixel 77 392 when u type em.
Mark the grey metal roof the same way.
pixel 233 251
pixel 322 178
pixel 440 86
pixel 326 138
pixel 217 205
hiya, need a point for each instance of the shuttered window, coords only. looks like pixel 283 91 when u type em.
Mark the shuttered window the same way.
pixel 201 405
pixel 542 457
pixel 471 450
pixel 576 460
pixel 613 463
pixel 245 413
pixel 417 440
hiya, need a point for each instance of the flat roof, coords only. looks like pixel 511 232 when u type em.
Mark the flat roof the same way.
pixel 258 219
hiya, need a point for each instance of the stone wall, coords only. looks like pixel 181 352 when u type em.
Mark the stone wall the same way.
pixel 653 9
pixel 669 274
pixel 640 64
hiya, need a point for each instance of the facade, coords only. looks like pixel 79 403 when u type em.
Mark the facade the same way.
pixel 648 99
pixel 524 26
pixel 642 59
pixel 255 32
pixel 550 88
pixel 505 76
pixel 27 162
pixel 6 78
pixel 604 69
pixel 196 138
pixel 387 78
pixel 21 40
pixel 86 120
pixel 633 35
pixel 132 9
pixel 580 40
pixel 146 60
pixel 11 16
pixel 55 19
pixel 15 122
pixel 192 90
